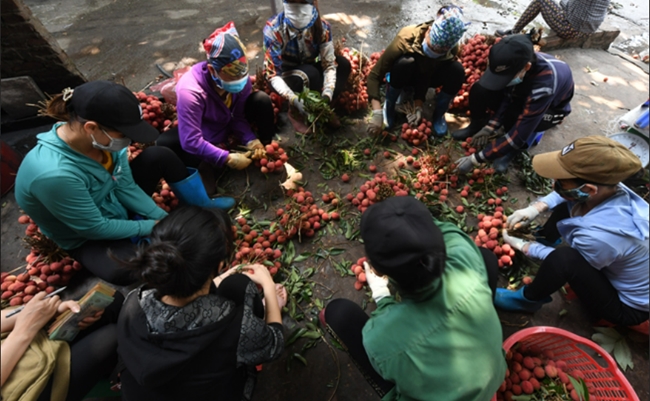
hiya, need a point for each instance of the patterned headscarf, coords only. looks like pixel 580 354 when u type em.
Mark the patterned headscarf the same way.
pixel 447 29
pixel 225 51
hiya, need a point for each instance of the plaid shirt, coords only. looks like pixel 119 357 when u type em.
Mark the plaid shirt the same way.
pixel 585 15
pixel 286 48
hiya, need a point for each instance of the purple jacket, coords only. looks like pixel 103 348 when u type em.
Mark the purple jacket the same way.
pixel 204 121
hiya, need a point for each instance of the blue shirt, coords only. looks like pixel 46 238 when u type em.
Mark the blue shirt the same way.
pixel 612 237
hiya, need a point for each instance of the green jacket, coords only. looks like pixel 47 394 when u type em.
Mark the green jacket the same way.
pixel 443 343
pixel 73 198
pixel 408 42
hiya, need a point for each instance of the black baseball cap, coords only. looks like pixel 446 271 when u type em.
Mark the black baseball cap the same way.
pixel 113 106
pixel 507 58
pixel 398 232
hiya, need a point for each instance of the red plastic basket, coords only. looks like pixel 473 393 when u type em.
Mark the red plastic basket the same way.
pixel 610 383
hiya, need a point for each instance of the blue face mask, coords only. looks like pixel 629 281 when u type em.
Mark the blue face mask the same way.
pixel 427 50
pixel 515 81
pixel 572 195
pixel 232 86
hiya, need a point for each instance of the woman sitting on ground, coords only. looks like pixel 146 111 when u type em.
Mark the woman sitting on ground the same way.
pixel 216 105
pixel 79 187
pixel 420 57
pixel 185 332
pixel 421 344
pixel 36 368
pixel 571 19
pixel 605 226
pixel 299 54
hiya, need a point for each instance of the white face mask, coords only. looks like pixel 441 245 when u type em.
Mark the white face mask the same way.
pixel 115 145
pixel 300 15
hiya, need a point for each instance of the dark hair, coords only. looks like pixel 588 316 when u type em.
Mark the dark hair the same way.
pixel 417 274
pixel 60 110
pixel 185 250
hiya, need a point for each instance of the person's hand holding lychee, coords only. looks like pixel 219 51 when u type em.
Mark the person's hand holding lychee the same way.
pixel 378 285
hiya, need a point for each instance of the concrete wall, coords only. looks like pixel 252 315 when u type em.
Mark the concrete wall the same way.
pixel 28 49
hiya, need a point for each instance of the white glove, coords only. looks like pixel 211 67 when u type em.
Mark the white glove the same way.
pixel 376 122
pixel 327 95
pixel 378 285
pixel 298 104
pixel 523 216
pixel 414 118
pixel 514 242
pixel 466 164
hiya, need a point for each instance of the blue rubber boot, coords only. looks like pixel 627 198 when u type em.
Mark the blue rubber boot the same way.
pixel 535 138
pixel 442 105
pixel 191 191
pixel 392 94
pixel 515 301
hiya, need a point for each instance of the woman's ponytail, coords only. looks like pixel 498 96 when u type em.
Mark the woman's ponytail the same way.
pixel 56 108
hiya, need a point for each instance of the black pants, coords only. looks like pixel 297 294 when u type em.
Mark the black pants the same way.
pixel 148 168
pixel 258 110
pixel 567 265
pixel 315 74
pixel 345 320
pixel 93 354
pixel 449 75
pixel 484 102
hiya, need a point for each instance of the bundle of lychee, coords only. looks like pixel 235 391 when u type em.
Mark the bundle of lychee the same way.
pixel 532 371
pixel 359 272
pixel 45 252
pixel 47 266
pixel 433 175
pixel 274 160
pixel 165 197
pixel 376 190
pixel 467 145
pixel 160 115
pixel 135 148
pixel 355 97
pixel 489 237
pixel 300 215
pixel 260 83
pixel 473 56
pixel 416 135
pixel 20 289
pixel 257 246
pixel 479 175
pixel 40 245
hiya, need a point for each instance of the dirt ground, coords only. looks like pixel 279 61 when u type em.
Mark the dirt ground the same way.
pixel 122 40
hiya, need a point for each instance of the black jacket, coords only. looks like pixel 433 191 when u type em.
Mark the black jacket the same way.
pixel 201 363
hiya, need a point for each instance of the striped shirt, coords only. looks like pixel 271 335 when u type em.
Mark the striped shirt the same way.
pixel 550 86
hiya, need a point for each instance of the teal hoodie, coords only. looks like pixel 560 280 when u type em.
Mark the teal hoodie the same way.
pixel 74 199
